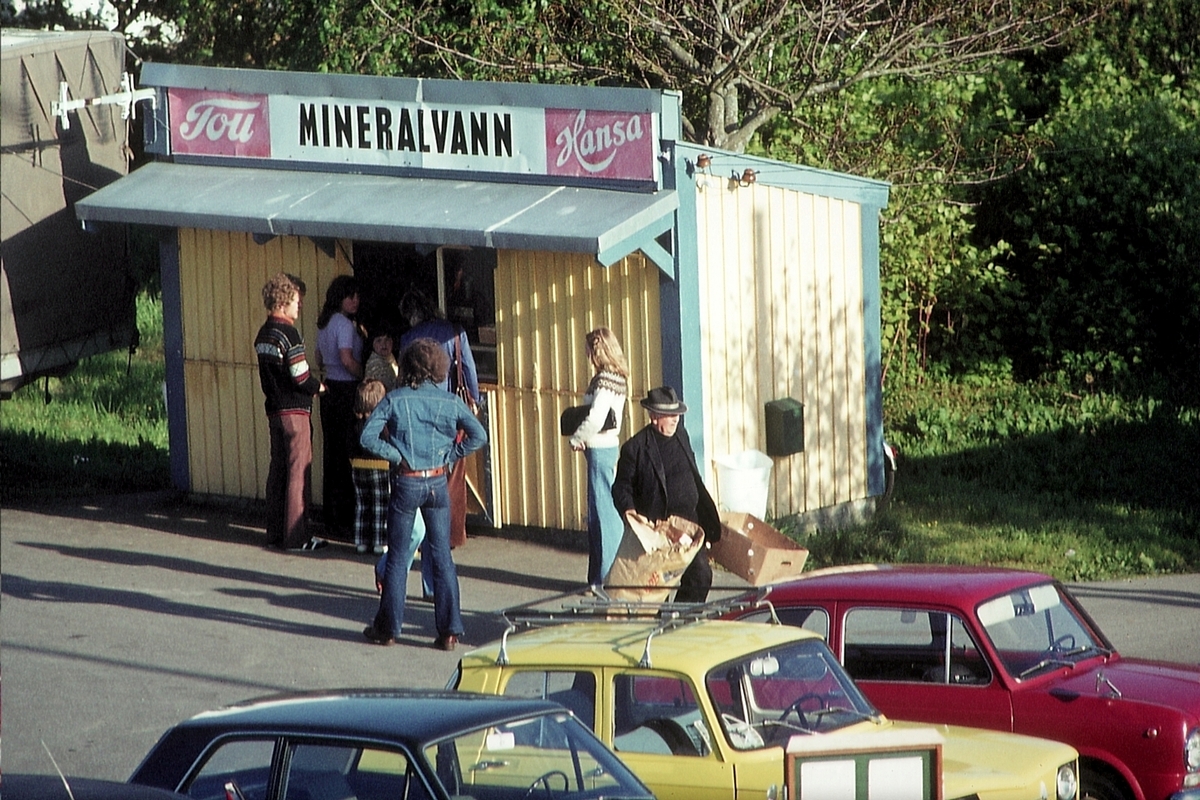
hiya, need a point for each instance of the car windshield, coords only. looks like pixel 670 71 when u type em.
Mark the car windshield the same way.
pixel 766 698
pixel 1036 629
pixel 548 756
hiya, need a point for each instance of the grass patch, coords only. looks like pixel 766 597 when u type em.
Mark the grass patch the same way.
pixel 101 429
pixel 1084 488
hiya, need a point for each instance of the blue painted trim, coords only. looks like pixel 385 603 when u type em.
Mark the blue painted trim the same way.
pixel 683 366
pixel 872 349
pixel 643 240
pixel 659 255
pixel 172 297
pixel 865 191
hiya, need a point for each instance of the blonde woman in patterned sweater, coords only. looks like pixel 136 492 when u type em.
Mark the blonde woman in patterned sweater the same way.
pixel 597 438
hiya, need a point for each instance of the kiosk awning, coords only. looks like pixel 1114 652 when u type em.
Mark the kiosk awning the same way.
pixel 388 209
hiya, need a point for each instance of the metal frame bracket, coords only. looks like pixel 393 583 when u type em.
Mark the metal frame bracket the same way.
pixel 63 106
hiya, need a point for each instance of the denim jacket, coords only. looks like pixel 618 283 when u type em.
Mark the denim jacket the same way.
pixel 422 425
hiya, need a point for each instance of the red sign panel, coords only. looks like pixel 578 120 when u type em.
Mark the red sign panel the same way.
pixel 220 124
pixel 599 144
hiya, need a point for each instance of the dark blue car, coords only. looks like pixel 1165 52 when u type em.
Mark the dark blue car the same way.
pixel 387 745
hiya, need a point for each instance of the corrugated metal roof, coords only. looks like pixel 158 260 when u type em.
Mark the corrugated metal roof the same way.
pixel 379 208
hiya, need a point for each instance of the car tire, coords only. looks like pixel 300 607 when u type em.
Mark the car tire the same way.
pixel 1098 783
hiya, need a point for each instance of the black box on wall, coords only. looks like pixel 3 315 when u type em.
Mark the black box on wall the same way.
pixel 785 427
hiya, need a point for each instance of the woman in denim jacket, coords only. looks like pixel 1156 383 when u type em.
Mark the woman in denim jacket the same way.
pixel 415 428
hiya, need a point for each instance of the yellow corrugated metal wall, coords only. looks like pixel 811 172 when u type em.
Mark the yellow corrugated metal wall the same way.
pixel 221 279
pixel 782 316
pixel 545 305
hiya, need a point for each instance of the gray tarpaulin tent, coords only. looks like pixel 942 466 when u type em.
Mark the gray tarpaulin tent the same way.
pixel 65 293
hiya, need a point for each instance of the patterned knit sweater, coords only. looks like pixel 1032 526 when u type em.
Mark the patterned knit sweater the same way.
pixel 606 392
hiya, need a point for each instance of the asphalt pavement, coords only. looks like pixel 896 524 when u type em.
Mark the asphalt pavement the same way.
pixel 121 616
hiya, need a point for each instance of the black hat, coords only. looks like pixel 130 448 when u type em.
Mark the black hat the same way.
pixel 663 400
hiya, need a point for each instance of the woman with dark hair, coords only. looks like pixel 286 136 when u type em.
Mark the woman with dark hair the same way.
pixel 415 428
pixel 340 348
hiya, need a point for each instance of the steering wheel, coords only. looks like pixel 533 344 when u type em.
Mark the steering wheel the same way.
pixel 544 781
pixel 1063 643
pixel 797 707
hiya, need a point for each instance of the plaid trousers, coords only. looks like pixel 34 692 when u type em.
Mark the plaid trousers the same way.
pixel 372 491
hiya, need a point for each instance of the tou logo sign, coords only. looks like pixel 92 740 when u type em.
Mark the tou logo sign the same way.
pixel 220 124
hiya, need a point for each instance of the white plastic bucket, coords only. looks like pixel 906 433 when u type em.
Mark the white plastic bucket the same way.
pixel 743 481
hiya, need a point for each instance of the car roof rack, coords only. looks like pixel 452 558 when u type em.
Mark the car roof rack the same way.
pixel 594 604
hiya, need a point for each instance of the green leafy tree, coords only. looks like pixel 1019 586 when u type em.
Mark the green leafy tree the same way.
pixel 739 65
pixel 944 296
pixel 1103 224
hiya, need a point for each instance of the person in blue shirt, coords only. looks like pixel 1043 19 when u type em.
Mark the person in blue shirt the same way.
pixel 416 429
pixel 462 379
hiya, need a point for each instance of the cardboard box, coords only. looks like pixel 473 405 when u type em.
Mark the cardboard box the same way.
pixel 651 560
pixel 754 550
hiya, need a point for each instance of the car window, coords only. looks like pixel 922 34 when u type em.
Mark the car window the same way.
pixel 347 771
pixel 658 714
pixel 244 764
pixel 387 775
pixel 545 757
pixel 810 618
pixel 575 690
pixel 911 645
pixel 765 698
pixel 1033 630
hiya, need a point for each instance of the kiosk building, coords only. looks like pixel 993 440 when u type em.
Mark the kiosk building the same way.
pixel 533 214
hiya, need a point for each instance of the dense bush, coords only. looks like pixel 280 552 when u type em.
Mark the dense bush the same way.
pixel 1102 229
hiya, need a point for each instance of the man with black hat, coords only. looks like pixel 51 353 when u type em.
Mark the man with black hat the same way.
pixel 657 476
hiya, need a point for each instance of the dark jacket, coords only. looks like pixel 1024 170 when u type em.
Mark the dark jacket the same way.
pixel 641 483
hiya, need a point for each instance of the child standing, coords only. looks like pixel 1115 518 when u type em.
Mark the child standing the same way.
pixel 382 364
pixel 372 490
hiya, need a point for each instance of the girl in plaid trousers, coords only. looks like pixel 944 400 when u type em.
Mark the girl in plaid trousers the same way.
pixel 370 474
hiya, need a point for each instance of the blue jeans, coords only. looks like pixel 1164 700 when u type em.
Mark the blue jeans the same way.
pixel 429 496
pixel 605 526
pixel 426 571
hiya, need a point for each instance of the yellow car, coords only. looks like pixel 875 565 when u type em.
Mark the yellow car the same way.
pixel 702 708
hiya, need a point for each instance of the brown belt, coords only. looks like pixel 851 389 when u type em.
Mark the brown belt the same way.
pixel 422 473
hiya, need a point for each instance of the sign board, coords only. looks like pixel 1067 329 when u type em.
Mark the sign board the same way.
pixel 903 764
pixel 573 143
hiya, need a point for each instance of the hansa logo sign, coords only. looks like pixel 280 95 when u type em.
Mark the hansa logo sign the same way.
pixel 600 144
pixel 220 124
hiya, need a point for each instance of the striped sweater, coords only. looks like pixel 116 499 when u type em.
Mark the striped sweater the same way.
pixel 283 371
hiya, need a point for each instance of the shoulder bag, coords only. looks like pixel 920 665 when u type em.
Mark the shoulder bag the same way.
pixel 574 416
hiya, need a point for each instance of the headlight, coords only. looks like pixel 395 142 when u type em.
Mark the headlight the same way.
pixel 1192 751
pixel 1067 782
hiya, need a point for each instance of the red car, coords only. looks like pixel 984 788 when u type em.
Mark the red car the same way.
pixel 1008 650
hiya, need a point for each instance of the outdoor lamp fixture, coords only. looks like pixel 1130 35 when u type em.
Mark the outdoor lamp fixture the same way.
pixel 747 177
pixel 703 161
